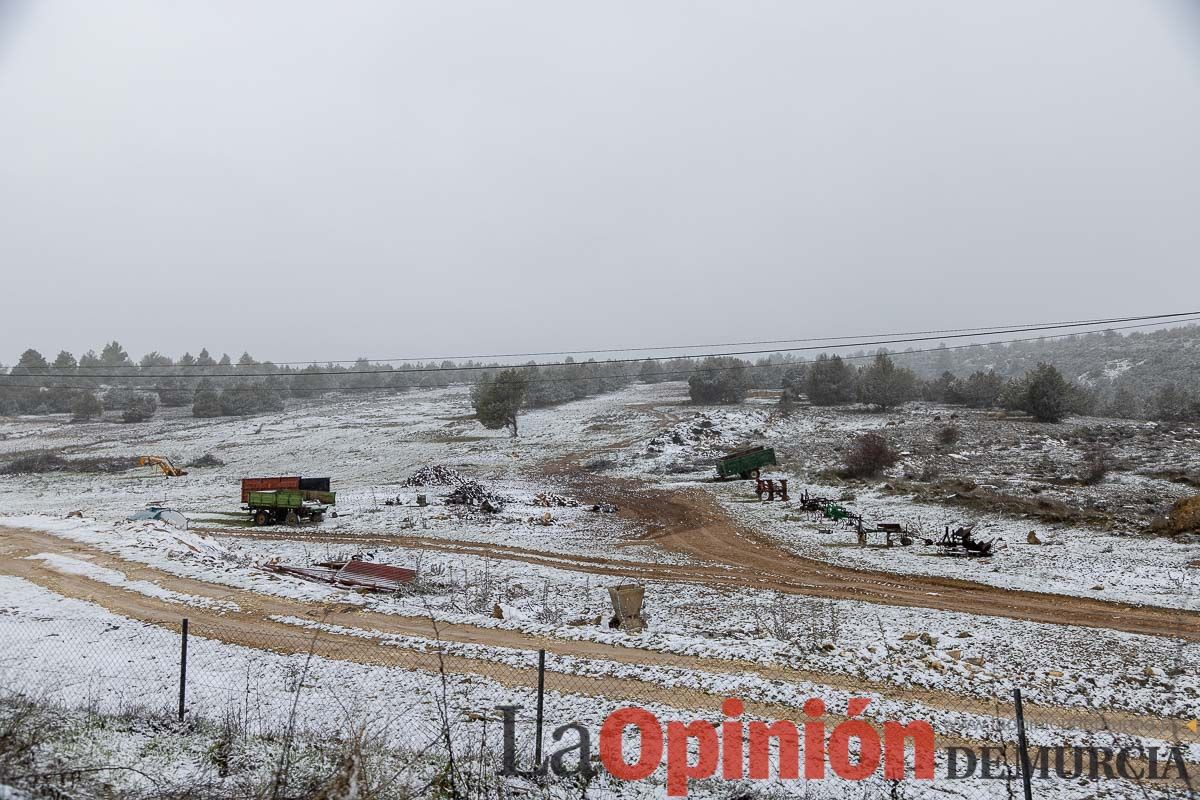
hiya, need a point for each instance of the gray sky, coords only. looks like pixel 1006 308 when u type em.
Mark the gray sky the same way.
pixel 328 180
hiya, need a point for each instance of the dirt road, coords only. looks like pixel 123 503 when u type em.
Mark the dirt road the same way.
pixel 252 626
pixel 723 553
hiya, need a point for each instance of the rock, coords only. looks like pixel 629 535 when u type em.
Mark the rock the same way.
pixel 955 654
pixel 976 661
pixel 963 635
pixel 1054 673
pixel 74 514
pixel 1099 587
pixel 1032 538
pixel 929 639
pixel 908 637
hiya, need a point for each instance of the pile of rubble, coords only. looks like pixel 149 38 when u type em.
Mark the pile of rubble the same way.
pixel 476 495
pixel 437 475
pixel 548 500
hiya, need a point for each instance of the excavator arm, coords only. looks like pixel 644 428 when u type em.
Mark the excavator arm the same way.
pixel 163 463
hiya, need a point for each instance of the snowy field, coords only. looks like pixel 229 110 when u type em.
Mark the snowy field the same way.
pixel 535 573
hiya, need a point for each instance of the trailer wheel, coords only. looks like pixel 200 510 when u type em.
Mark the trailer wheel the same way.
pixel 292 520
pixel 260 517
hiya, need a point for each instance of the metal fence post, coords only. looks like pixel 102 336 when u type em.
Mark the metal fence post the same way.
pixel 541 695
pixel 1023 747
pixel 183 668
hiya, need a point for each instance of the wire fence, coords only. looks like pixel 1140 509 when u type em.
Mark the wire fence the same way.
pixel 450 718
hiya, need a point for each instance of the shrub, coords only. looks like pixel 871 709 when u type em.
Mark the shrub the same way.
pixel 870 454
pixel 1048 396
pixel 242 399
pixel 1096 465
pixel 883 384
pixel 719 380
pixel 86 406
pixel 948 435
pixel 207 401
pixel 139 408
pixel 830 381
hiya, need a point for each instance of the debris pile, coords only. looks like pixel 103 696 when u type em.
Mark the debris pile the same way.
pixel 548 500
pixel 437 475
pixel 604 508
pixel 353 574
pixel 476 495
pixel 207 460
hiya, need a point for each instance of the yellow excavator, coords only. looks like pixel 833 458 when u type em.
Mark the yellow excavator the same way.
pixel 163 463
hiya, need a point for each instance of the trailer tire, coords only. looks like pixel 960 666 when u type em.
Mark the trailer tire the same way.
pixel 292 519
pixel 260 517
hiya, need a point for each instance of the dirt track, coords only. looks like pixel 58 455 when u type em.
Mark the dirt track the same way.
pixel 725 554
pixel 251 626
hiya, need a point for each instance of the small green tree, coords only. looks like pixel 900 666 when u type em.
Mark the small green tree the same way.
pixel 139 408
pixel 830 381
pixel 982 389
pixel 498 399
pixel 1124 404
pixel 1048 396
pixel 883 384
pixel 86 406
pixel 719 380
pixel 207 400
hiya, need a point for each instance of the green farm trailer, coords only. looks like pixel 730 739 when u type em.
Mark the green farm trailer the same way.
pixel 745 463
pixel 274 506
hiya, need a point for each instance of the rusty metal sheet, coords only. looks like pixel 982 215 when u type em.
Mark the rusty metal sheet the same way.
pixel 381 577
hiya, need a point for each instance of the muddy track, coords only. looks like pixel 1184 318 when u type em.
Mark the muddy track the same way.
pixel 251 625
pixel 690 524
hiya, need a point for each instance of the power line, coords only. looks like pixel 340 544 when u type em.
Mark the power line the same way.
pixel 997 329
pixel 725 354
pixel 781 364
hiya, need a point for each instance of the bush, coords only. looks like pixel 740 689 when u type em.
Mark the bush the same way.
pixel 243 399
pixel 982 389
pixel 139 408
pixel 830 382
pixel 883 384
pixel 207 400
pixel 1096 465
pixel 86 406
pixel 719 380
pixel 870 454
pixel 1048 396
pixel 949 435
pixel 173 393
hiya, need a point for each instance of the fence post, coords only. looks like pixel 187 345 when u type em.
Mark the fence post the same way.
pixel 1023 747
pixel 183 668
pixel 541 696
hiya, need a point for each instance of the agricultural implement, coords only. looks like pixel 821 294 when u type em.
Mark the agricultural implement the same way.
pixel 287 500
pixel 745 464
pixel 963 542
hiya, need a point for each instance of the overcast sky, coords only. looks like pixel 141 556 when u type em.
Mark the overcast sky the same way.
pixel 327 180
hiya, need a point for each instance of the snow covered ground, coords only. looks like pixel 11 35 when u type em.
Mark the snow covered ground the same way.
pixel 643 435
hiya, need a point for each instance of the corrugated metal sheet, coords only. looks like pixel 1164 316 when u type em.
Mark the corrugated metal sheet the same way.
pixel 381 577
pixel 353 574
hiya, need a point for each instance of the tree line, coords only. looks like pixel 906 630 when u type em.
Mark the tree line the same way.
pixel 111 381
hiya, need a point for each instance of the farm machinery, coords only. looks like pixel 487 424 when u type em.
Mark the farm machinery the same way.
pixel 164 464
pixel 287 500
pixel 745 464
